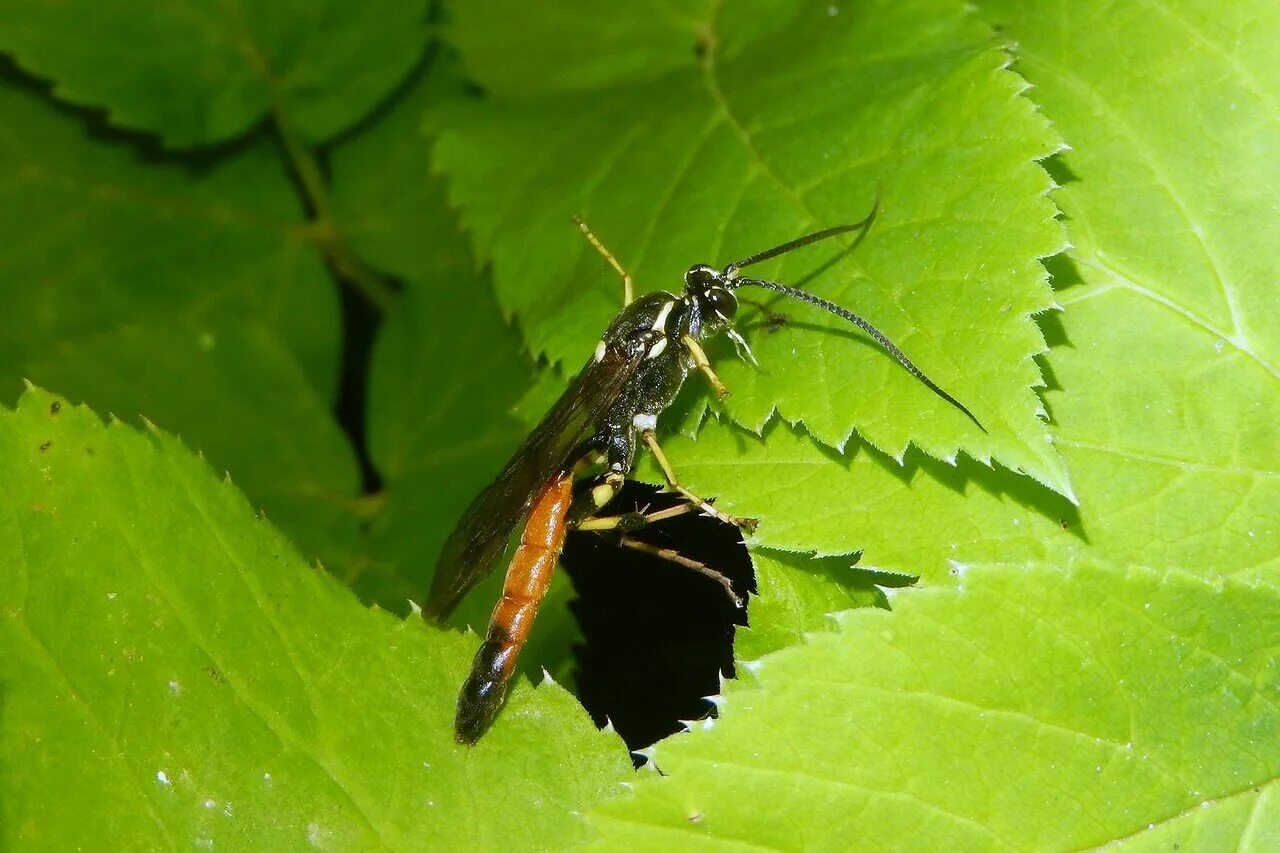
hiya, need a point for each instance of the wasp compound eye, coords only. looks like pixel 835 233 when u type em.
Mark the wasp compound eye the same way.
pixel 722 303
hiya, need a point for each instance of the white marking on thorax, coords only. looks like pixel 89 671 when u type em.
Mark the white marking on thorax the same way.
pixel 600 350
pixel 645 422
pixel 656 349
pixel 659 324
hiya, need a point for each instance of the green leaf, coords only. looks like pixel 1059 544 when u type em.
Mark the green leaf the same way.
pixel 202 73
pixel 1029 707
pixel 737 151
pixel 190 290
pixel 445 372
pixel 166 681
pixel 273 433
pixel 388 204
pixel 1000 712
pixel 570 46
pixel 915 518
pixel 1168 404
pixel 193 297
pixel 445 369
pixel 796 594
pixel 1165 408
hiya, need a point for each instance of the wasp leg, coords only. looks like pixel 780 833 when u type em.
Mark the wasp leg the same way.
pixel 595 499
pixel 673 556
pixel 704 364
pixel 618 450
pixel 628 288
pixel 650 439
pixel 631 521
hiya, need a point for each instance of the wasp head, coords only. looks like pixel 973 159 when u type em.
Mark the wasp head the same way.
pixel 716 303
pixel 710 292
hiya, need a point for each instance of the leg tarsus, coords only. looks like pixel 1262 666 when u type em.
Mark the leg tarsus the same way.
pixel 673 556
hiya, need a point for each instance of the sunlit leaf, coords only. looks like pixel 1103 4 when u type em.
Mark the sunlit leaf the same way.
pixel 1030 707
pixel 175 675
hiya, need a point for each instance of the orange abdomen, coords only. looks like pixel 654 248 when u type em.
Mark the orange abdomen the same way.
pixel 526 583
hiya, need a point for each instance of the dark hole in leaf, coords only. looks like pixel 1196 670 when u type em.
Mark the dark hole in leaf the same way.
pixel 361 324
pixel 657 635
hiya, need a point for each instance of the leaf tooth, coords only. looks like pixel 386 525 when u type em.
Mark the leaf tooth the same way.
pixel 647 753
pixel 753 666
pixel 648 766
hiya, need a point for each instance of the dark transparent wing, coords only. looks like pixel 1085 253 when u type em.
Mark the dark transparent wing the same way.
pixel 475 545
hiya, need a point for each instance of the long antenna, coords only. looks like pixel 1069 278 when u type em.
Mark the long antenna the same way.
pixel 800 242
pixel 862 324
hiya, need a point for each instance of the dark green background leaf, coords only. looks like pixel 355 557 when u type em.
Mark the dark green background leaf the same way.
pixel 191 295
pixel 196 72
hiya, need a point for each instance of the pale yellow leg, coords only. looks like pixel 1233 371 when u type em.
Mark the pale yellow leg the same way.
pixel 628 288
pixel 704 364
pixel 651 440
pixel 632 521
pixel 613 522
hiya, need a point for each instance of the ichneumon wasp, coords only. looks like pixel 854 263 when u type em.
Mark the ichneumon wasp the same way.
pixel 634 374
